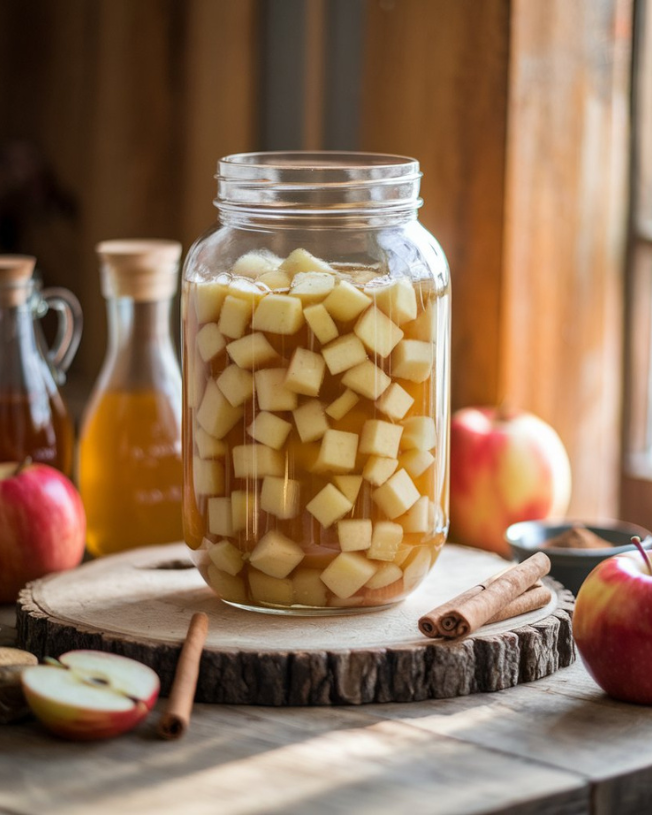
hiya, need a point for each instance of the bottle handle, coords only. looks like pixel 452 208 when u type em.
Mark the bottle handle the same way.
pixel 69 330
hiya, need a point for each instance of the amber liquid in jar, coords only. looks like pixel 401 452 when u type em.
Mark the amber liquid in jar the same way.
pixel 131 478
pixel 314 478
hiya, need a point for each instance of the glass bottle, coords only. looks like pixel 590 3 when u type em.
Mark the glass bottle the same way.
pixel 130 468
pixel 34 419
pixel 316 320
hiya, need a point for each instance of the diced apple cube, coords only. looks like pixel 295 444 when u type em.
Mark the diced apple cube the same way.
pixel 226 557
pixel 398 300
pixel 312 287
pixel 226 586
pixel 278 314
pixel 208 300
pixel 210 342
pixel 235 317
pixel 308 588
pixel 270 590
pixel 419 518
pixel 275 280
pixel 251 292
pixel 244 512
pixel 366 379
pixel 354 534
pixel 321 323
pixel 385 540
pixel 280 497
pixel 416 567
pixel 346 302
pixel 396 495
pixel 254 264
pixel 395 402
pixel 207 476
pixel 196 380
pixel 416 462
pixel 424 328
pixel 379 438
pixel 342 405
pixel 271 392
pixel 348 573
pixel 349 485
pixel 269 429
pixel 219 517
pixel 378 333
pixel 276 555
pixel 257 461
pixel 329 506
pixel 306 372
pixel 237 384
pixel 413 360
pixel 251 351
pixel 302 261
pixel 378 469
pixel 216 415
pixel 419 433
pixel 208 446
pixel 310 420
pixel 343 353
pixel 337 452
pixel 387 574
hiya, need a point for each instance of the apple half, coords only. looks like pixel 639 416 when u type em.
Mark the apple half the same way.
pixel 90 694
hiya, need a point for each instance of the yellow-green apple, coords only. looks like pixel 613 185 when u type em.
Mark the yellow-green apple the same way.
pixel 42 525
pixel 612 625
pixel 505 467
pixel 90 694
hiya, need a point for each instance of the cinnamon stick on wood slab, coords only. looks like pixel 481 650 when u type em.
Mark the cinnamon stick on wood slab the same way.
pixel 513 591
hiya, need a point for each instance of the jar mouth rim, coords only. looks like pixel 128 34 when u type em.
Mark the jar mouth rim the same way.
pixel 318 161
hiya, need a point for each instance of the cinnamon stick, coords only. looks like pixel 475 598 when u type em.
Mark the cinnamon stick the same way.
pixel 176 716
pixel 480 604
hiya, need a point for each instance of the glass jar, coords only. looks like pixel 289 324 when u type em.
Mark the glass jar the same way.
pixel 316 321
pixel 130 467
pixel 34 419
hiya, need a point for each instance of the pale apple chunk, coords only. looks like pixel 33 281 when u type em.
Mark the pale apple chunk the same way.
pixel 416 567
pixel 321 323
pixel 275 280
pixel 244 512
pixel 366 379
pixel 226 557
pixel 310 420
pixel 308 588
pixel 301 260
pixel 346 302
pixel 247 290
pixel 275 555
pixel 398 300
pixel 208 446
pixel 269 429
pixel 255 264
pixel 278 314
pixel 208 300
pixel 257 461
pixel 312 287
pixel 424 328
pixel 329 506
pixel 237 384
pixel 220 521
pixel 342 405
pixel 354 534
pixel 413 360
pixel 349 485
pixel 337 452
pixel 379 438
pixel 251 351
pixel 348 573
pixel 419 433
pixel 270 590
pixel 306 372
pixel 416 462
pixel 271 392
pixel 378 469
pixel 207 476
pixel 346 602
pixel 387 574
pixel 227 586
pixel 396 495
pixel 196 380
pixel 215 414
pixel 385 540
pixel 280 497
pixel 235 317
pixel 377 332
pixel 395 402
pixel 418 518
pixel 210 342
pixel 343 353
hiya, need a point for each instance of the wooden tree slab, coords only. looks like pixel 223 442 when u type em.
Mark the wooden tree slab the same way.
pixel 139 604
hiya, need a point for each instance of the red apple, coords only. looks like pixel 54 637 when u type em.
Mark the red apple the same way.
pixel 505 467
pixel 42 525
pixel 612 626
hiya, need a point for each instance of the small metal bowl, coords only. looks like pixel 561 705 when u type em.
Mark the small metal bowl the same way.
pixel 571 566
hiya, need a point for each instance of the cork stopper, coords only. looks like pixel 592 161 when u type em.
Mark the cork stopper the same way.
pixel 16 279
pixel 144 270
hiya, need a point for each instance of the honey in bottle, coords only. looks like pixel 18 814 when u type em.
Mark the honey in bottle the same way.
pixel 130 468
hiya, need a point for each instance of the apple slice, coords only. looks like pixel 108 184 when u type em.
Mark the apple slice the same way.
pixel 90 694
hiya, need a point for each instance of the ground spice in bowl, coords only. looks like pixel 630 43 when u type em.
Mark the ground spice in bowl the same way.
pixel 577 537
